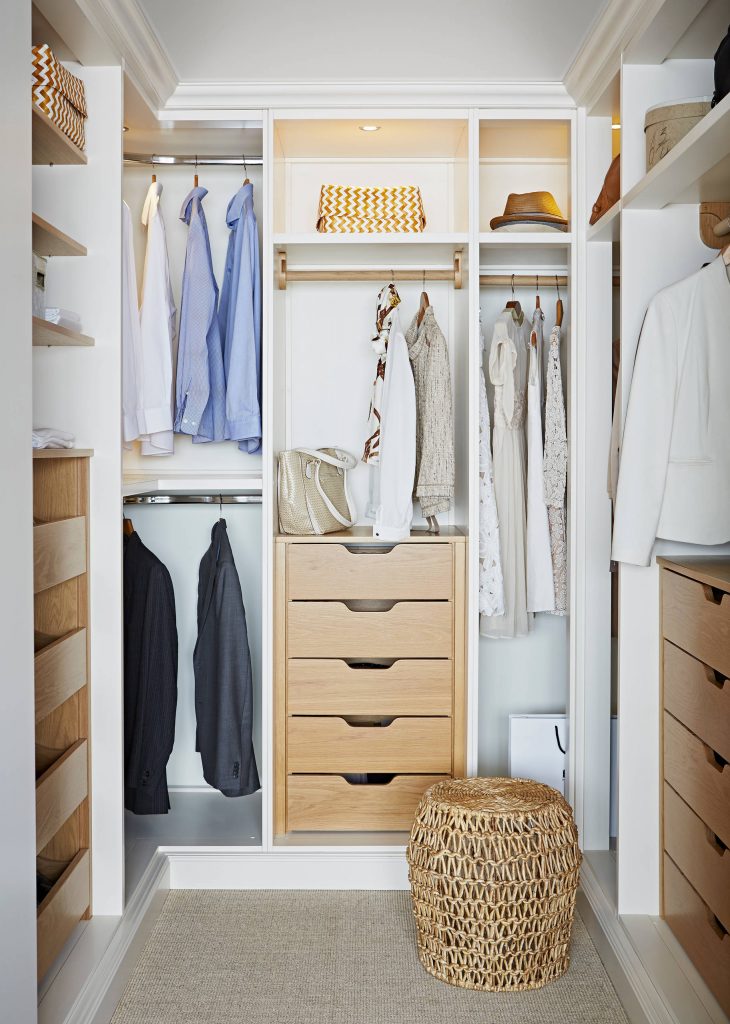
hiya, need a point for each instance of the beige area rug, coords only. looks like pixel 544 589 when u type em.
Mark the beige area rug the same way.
pixel 328 958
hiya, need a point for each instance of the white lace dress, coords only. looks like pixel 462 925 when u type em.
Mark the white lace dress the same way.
pixel 508 372
pixel 491 588
pixel 555 471
pixel 540 591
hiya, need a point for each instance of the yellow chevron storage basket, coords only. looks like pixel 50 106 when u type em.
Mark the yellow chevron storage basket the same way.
pixel 59 94
pixel 368 209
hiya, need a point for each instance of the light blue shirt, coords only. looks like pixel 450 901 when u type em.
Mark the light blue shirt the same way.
pixel 240 323
pixel 201 386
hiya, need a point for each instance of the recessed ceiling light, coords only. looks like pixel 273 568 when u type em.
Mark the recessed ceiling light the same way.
pixel 369 127
pixel 615 127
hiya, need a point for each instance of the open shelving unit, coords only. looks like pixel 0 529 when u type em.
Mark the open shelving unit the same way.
pixel 50 241
pixel 50 144
pixel 48 334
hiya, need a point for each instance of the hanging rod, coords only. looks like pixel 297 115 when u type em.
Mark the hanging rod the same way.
pixel 284 275
pixel 200 161
pixel 524 280
pixel 192 499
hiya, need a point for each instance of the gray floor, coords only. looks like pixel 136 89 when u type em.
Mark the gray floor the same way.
pixel 204 818
pixel 328 958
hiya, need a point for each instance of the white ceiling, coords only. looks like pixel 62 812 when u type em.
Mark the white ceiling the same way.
pixel 437 40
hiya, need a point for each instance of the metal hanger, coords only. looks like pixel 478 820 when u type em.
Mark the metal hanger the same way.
pixel 246 180
pixel 424 303
pixel 558 305
pixel 195 176
pixel 537 289
pixel 514 305
pixel 154 176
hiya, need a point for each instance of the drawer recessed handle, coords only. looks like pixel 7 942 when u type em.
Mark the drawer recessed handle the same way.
pixel 716 678
pixel 355 549
pixel 356 722
pixel 716 924
pixel 360 664
pixel 717 761
pixel 367 605
pixel 715 842
pixel 369 779
pixel 713 594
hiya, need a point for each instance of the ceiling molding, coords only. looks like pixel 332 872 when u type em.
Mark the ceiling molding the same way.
pixel 201 96
pixel 135 41
pixel 599 59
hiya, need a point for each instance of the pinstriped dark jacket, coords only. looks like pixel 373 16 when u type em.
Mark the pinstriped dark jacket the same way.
pixel 223 686
pixel 150 678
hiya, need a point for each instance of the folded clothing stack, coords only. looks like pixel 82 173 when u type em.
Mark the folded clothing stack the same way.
pixel 51 437
pixel 63 317
pixel 59 94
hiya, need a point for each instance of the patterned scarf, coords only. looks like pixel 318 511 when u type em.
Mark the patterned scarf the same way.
pixel 388 299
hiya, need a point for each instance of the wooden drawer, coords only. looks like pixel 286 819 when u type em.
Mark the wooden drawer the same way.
pixel 59 791
pixel 59 552
pixel 62 909
pixel 704 940
pixel 331 803
pixel 695 695
pixel 321 686
pixel 334 745
pixel 691 769
pixel 695 850
pixel 329 629
pixel 322 572
pixel 60 670
pixel 697 619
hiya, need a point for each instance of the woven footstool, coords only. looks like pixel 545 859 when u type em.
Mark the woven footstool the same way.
pixel 493 866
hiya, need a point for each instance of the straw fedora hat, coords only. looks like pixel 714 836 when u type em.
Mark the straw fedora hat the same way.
pixel 537 208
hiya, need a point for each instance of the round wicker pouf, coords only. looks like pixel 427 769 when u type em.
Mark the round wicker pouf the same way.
pixel 493 866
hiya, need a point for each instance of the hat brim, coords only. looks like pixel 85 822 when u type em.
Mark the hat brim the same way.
pixel 546 219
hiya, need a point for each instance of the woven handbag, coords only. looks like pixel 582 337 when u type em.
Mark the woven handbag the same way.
pixel 312 489
pixel 367 209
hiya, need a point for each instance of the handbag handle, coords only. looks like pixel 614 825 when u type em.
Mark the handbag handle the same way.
pixel 346 462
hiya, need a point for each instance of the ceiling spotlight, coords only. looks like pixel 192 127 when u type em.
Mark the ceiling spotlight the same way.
pixel 369 127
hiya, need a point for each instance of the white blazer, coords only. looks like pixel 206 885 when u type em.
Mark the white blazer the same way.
pixel 674 477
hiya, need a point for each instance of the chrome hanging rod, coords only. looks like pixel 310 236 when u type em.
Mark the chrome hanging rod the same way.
pixel 192 499
pixel 157 160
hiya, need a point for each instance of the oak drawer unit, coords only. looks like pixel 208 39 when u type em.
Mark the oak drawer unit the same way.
pixel 696 763
pixel 370 678
pixel 62 747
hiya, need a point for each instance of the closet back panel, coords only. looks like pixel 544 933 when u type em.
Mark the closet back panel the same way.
pixel 179 536
pixel 222 183
pixel 525 675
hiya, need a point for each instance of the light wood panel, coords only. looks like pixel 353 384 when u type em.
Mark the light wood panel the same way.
pixel 60 670
pixel 690 769
pixel 405 571
pixel 333 745
pixel 698 855
pixel 460 660
pixel 695 696
pixel 331 803
pixel 410 629
pixel 697 619
pixel 321 686
pixel 59 552
pixel 280 689
pixel 704 940
pixel 62 909
pixel 62 453
pixel 46 334
pixel 51 241
pixel 364 534
pixel 50 144
pixel 59 791
pixel 715 572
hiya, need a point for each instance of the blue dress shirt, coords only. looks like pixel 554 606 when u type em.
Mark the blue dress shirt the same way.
pixel 201 386
pixel 240 323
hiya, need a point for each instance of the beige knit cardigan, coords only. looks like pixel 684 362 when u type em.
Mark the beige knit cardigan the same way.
pixel 434 482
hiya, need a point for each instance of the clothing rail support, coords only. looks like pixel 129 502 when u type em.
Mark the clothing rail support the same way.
pixel 284 275
pixel 192 499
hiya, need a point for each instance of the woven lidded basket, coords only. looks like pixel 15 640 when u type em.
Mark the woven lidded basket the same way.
pixel 59 94
pixel 494 867
pixel 367 209
pixel 667 124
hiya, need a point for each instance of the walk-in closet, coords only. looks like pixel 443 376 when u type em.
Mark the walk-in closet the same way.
pixel 239 279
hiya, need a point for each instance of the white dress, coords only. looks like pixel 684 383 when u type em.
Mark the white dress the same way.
pixel 540 590
pixel 555 469
pixel 491 586
pixel 508 373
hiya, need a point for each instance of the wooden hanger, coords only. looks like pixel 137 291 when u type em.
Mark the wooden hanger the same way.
pixel 127 527
pixel 154 176
pixel 514 304
pixel 195 176
pixel 537 289
pixel 424 303
pixel 558 305
pixel 246 180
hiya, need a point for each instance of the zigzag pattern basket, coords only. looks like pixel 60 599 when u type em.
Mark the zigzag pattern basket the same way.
pixel 367 209
pixel 494 867
pixel 59 94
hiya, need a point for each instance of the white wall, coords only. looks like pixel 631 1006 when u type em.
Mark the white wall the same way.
pixel 17 724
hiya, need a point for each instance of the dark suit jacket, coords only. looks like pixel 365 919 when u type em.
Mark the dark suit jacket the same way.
pixel 223 688
pixel 150 678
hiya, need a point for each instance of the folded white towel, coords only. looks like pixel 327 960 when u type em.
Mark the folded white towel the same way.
pixel 51 437
pixel 63 317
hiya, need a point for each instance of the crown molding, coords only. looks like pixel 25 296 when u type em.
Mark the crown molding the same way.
pixel 129 32
pixel 201 96
pixel 599 59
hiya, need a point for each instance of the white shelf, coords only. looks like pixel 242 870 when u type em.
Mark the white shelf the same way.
pixel 524 238
pixel 344 238
pixel 608 228
pixel 191 483
pixel 697 169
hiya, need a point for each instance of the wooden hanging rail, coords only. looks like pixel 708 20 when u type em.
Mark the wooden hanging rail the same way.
pixel 523 280
pixel 284 275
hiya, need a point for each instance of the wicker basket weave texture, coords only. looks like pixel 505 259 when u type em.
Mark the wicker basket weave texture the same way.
pixel 494 867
